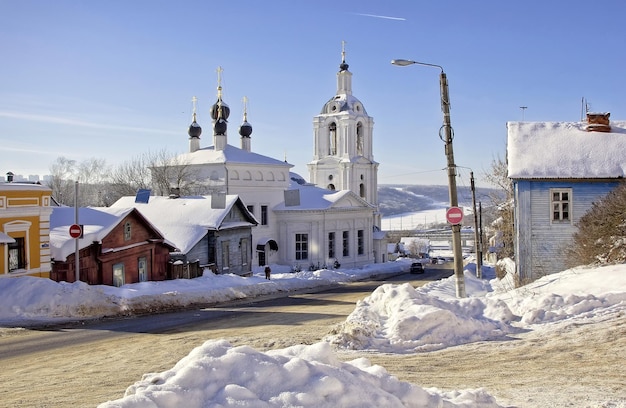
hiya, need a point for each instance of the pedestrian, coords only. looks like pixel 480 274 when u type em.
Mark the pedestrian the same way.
pixel 268 271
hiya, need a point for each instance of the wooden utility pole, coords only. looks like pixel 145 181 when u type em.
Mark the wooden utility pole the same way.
pixel 477 250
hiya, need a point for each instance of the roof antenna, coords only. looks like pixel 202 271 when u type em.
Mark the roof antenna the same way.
pixel 584 109
pixel 523 108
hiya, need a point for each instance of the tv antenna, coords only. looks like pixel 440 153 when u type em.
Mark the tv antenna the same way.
pixel 523 108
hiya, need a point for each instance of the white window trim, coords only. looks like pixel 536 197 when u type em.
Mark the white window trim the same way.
pixel 569 202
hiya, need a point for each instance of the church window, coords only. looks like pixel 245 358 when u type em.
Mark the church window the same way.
pixel 263 215
pixel 362 190
pixel 331 244
pixel 302 246
pixel 360 242
pixel 346 243
pixel 332 139
pixel 331 186
pixel 359 139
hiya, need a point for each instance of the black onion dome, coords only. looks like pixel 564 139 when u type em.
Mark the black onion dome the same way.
pixel 215 109
pixel 344 66
pixel 220 126
pixel 194 129
pixel 245 129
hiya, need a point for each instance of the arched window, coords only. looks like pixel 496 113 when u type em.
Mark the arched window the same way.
pixel 362 190
pixel 359 139
pixel 332 139
pixel 331 187
pixel 127 231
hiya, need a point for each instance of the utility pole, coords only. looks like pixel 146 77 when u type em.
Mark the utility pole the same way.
pixel 447 137
pixel 76 247
pixel 480 236
pixel 479 260
pixel 454 200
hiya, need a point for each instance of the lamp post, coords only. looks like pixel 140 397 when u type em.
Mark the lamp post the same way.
pixel 447 139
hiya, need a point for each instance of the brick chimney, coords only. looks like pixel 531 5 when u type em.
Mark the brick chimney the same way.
pixel 598 122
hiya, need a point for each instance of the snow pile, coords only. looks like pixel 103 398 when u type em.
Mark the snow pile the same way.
pixel 400 318
pixel 36 299
pixel 217 374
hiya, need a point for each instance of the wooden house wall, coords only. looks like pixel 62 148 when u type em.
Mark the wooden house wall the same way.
pixel 200 251
pixel 540 244
pixel 234 238
pixel 97 259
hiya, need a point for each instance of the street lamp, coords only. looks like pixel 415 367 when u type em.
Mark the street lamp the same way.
pixel 447 139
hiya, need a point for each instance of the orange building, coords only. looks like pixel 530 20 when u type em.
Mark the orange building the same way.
pixel 25 229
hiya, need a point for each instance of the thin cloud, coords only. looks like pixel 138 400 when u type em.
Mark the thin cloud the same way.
pixel 379 16
pixel 74 122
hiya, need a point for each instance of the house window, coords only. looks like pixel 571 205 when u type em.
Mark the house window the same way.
pixel 245 249
pixel 17 255
pixel 302 246
pixel 360 242
pixel 127 230
pixel 250 209
pixel 346 243
pixel 142 268
pixel 118 274
pixel 225 256
pixel 331 244
pixel 561 204
pixel 263 215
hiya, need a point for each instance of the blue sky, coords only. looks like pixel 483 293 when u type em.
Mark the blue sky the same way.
pixel 114 79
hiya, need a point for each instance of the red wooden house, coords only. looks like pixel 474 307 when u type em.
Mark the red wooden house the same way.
pixel 118 246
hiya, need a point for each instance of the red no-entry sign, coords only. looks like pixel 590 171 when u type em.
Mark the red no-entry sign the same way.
pixel 76 231
pixel 454 215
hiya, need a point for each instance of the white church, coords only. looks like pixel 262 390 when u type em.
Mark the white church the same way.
pixel 332 219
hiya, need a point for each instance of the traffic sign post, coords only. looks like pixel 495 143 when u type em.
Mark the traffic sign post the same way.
pixel 76 231
pixel 454 215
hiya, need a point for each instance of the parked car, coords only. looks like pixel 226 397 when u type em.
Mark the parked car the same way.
pixel 417 267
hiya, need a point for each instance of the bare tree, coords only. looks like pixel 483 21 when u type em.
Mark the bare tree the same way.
pixel 503 202
pixel 169 171
pixel 129 177
pixel 63 175
pixel 93 177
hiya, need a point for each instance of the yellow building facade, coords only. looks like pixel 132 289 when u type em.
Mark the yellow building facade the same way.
pixel 25 210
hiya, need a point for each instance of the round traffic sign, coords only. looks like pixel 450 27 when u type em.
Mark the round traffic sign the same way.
pixel 75 231
pixel 454 215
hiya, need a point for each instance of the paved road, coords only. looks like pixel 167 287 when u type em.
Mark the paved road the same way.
pixel 87 363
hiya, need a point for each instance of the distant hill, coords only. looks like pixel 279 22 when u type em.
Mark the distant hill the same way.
pixel 404 198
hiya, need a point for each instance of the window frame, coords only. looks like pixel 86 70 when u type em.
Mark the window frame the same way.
pixel 345 240
pixel 360 237
pixel 332 245
pixel 18 246
pixel 560 207
pixel 301 247
pixel 142 273
pixel 120 280
pixel 127 231
pixel 264 214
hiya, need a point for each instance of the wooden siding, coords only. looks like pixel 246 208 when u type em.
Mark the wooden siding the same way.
pixel 540 244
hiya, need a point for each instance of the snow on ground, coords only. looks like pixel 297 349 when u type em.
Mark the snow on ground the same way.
pixel 393 319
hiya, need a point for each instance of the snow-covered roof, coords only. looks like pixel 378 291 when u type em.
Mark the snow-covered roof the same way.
pixel 317 198
pixel 557 150
pixel 23 186
pixel 185 220
pixel 97 224
pixel 230 154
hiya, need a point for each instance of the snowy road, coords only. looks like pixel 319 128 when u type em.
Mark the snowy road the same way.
pixel 61 366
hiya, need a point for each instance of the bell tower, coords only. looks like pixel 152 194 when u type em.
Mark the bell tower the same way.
pixel 343 157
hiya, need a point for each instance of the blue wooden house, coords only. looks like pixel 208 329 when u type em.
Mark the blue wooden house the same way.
pixel 558 170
